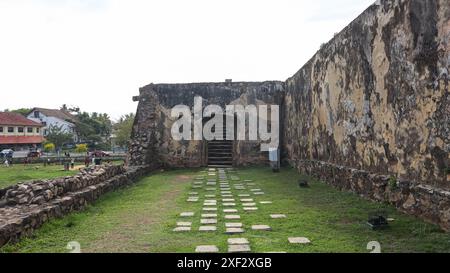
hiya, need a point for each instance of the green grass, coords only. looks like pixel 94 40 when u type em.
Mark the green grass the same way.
pixel 20 173
pixel 141 218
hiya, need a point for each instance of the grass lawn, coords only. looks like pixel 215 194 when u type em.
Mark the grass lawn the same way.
pixel 141 219
pixel 20 173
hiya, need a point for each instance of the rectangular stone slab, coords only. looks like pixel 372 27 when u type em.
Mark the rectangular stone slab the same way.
pixel 232 217
pixel 277 216
pixel 239 249
pixel 182 229
pixel 233 225
pixel 207 249
pixel 211 215
pixel 234 230
pixel 207 228
pixel 261 227
pixel 184 224
pixel 187 214
pixel 208 221
pixel 238 241
pixel 299 240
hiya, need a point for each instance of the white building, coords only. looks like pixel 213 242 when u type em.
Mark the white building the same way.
pixel 53 117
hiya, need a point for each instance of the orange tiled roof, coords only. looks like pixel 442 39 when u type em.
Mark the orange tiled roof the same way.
pixel 13 119
pixel 21 139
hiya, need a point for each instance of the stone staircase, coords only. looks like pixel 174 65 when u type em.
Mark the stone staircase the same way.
pixel 220 152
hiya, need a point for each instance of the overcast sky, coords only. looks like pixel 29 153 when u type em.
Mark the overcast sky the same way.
pixel 95 54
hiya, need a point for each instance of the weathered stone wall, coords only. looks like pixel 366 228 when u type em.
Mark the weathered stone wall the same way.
pixel 26 207
pixel 375 97
pixel 427 202
pixel 153 122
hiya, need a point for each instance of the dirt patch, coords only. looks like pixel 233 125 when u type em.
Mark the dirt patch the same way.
pixel 182 178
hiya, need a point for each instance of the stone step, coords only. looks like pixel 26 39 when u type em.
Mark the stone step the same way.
pixel 215 157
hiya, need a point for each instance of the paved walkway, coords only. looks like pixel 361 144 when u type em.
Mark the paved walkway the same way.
pixel 226 201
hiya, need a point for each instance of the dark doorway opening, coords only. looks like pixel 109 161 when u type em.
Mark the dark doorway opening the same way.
pixel 220 151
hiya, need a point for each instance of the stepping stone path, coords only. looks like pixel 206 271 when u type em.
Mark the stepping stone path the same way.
pixel 231 192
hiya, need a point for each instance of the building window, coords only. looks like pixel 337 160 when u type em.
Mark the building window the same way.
pixel 30 129
pixel 37 130
pixel 36 114
pixel 10 129
pixel 1 129
pixel 20 129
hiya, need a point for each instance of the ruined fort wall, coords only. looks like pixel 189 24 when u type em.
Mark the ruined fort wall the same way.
pixel 152 141
pixel 370 112
pixel 375 97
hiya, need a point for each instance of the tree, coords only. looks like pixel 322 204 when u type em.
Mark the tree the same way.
pixel 58 136
pixel 94 129
pixel 22 111
pixel 122 130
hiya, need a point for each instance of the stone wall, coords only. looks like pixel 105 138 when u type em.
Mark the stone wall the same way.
pixel 369 113
pixel 425 201
pixel 152 129
pixel 375 97
pixel 26 207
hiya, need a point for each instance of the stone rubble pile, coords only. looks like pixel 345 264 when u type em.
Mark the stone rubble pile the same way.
pixel 26 207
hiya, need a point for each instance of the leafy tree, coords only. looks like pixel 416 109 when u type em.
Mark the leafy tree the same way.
pixel 94 129
pixel 58 136
pixel 22 111
pixel 123 128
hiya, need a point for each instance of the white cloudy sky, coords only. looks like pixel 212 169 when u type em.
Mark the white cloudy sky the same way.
pixel 97 53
